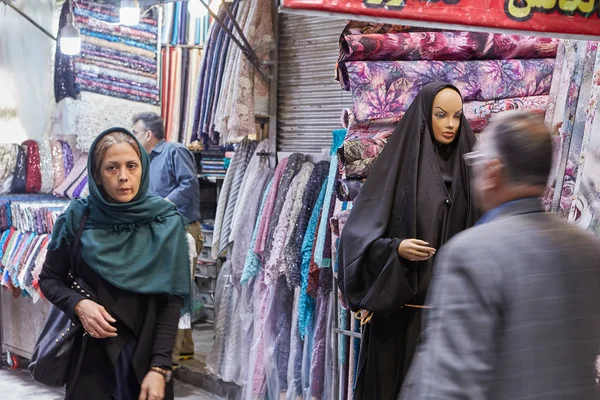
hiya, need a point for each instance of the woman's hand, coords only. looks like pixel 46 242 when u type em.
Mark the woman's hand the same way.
pixel 415 250
pixel 95 319
pixel 153 387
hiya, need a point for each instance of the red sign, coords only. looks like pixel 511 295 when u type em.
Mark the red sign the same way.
pixel 580 17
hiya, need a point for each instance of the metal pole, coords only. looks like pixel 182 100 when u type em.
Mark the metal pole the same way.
pixel 21 13
pixel 251 56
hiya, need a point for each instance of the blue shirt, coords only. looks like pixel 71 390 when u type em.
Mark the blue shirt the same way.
pixel 495 212
pixel 173 176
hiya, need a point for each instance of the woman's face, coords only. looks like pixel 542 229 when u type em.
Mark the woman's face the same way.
pixel 446 114
pixel 120 173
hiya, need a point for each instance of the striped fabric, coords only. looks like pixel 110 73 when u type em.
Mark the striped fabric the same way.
pixel 246 150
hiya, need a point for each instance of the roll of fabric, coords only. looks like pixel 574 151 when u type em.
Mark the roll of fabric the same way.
pixel 306 303
pixel 19 181
pixel 440 46
pixel 295 163
pixel 384 89
pixel 164 104
pixel 34 173
pixel 265 223
pixel 58 165
pixel 8 161
pixel 168 12
pixel 175 95
pixel 324 260
pixel 91 23
pixel 293 250
pixel 174 72
pixel 252 263
pixel 478 113
pixel 348 189
pixel 347 117
pixel 192 89
pixel 95 68
pixel 73 178
pixel 247 149
pixel 102 59
pixel 358 156
pixel 285 224
pixel 118 46
pixel 90 49
pixel 46 167
pixel 67 157
pixel 573 141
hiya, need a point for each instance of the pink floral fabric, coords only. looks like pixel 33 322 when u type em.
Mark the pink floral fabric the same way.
pixel 440 46
pixel 383 89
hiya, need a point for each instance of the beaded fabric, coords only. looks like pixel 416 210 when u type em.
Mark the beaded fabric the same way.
pixel 19 178
pixel 8 161
pixel 33 177
pixel 46 166
pixel 58 166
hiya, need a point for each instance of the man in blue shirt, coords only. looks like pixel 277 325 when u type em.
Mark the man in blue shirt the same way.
pixel 174 177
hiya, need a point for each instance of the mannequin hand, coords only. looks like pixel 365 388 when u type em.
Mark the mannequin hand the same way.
pixel 95 319
pixel 415 250
pixel 153 387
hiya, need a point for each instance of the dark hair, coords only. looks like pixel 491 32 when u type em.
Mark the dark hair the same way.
pixel 153 122
pixel 524 145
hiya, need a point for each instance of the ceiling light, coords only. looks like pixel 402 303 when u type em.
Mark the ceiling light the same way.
pixel 130 12
pixel 70 40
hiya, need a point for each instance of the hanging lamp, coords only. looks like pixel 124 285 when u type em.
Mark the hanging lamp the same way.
pixel 130 12
pixel 70 39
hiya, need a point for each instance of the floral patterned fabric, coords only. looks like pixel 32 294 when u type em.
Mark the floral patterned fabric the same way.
pixel 440 46
pixel 565 103
pixel 563 192
pixel 585 209
pixel 358 156
pixel 383 89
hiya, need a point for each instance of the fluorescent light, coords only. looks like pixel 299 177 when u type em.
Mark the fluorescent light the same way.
pixel 130 12
pixel 70 40
pixel 197 9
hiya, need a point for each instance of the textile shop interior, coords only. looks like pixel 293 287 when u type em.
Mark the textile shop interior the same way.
pixel 267 315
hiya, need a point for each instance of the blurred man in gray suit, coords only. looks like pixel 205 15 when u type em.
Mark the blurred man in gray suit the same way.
pixel 515 301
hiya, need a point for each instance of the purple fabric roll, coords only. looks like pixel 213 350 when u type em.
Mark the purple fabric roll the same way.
pixel 79 188
pixel 67 157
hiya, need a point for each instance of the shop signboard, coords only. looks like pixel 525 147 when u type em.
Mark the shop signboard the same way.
pixel 580 17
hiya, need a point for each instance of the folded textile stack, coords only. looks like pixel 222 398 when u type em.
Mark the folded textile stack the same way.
pixel 31 213
pixel 115 60
pixel 22 256
pixel 385 67
pixel 179 27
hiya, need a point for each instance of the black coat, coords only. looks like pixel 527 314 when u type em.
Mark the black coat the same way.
pixel 148 322
pixel 417 189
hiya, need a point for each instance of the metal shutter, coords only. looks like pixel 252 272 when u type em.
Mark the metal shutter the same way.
pixel 310 100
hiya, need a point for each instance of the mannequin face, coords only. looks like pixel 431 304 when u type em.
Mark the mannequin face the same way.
pixel 120 173
pixel 445 116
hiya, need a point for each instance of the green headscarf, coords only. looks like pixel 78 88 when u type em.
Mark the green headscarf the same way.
pixel 138 246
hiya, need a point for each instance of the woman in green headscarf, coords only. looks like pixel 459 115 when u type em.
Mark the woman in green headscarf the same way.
pixel 118 263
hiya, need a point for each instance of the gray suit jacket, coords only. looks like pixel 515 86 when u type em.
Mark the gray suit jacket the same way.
pixel 515 313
